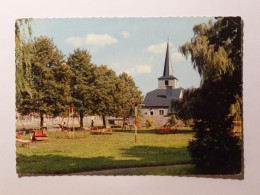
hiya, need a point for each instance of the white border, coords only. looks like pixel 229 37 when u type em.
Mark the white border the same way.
pixel 11 184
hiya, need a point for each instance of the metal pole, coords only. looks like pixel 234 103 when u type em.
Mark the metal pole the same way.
pixel 73 125
pixel 136 122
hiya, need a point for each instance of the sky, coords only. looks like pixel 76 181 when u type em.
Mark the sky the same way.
pixel 136 46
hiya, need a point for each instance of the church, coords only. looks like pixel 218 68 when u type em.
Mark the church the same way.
pixel 157 103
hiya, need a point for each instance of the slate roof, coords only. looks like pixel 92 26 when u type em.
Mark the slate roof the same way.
pixel 157 97
pixel 167 77
pixel 167 71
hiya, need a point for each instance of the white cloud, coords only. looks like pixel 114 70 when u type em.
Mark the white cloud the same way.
pixel 157 48
pixel 100 40
pixel 141 69
pixel 92 40
pixel 75 41
pixel 125 34
pixel 177 57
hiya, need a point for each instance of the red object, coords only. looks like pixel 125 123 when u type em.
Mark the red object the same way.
pixel 70 113
pixel 96 130
pixel 40 135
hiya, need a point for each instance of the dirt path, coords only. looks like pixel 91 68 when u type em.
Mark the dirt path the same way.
pixel 129 170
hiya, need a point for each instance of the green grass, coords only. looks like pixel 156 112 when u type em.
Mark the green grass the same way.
pixel 62 154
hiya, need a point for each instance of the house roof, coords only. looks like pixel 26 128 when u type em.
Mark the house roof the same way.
pixel 157 97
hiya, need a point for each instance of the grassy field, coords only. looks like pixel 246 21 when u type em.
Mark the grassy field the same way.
pixel 62 155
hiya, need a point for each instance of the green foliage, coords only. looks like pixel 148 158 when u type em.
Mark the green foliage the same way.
pixel 216 53
pixel 189 122
pixel 127 93
pixel 45 60
pixel 113 93
pixel 45 84
pixel 149 122
pixel 214 150
pixel 23 49
pixel 81 83
pixel 172 120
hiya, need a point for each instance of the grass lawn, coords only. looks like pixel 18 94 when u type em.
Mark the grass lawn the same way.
pixel 63 154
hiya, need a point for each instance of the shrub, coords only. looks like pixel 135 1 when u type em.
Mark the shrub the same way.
pixel 149 122
pixel 215 151
pixel 172 121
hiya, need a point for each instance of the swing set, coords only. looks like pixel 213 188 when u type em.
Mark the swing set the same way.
pixel 68 122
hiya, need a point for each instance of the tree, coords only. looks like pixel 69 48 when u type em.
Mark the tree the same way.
pixel 43 98
pixel 62 77
pixel 113 93
pixel 127 93
pixel 82 83
pixel 23 48
pixel 105 103
pixel 216 53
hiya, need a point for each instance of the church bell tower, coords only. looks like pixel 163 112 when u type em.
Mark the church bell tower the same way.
pixel 167 80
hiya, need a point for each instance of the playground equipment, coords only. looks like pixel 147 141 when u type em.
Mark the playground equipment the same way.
pixel 40 135
pixel 136 124
pixel 67 123
pixel 37 135
pixel 20 140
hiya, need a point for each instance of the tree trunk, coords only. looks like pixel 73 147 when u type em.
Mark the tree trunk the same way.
pixel 104 120
pixel 41 121
pixel 81 116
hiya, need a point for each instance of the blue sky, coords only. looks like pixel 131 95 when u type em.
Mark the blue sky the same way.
pixel 133 45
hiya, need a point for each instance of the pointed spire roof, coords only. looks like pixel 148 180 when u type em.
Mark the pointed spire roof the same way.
pixel 167 71
pixel 167 64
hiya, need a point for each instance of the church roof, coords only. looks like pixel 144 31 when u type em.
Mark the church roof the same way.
pixel 158 98
pixel 167 77
pixel 167 71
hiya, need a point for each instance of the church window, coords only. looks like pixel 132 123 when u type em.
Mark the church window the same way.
pixel 151 112
pixel 166 82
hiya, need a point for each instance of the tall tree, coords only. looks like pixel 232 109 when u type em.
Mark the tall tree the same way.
pixel 104 101
pixel 62 76
pixel 216 52
pixel 127 92
pixel 23 48
pixel 45 59
pixel 82 81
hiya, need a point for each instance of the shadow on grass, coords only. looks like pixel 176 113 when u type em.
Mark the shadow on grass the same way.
pixel 136 156
pixel 152 131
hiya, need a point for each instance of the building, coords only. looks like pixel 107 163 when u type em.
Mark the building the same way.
pixel 157 103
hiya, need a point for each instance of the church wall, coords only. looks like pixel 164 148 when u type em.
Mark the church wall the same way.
pixel 155 111
pixel 161 83
pixel 158 120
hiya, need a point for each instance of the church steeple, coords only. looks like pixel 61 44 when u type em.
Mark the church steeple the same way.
pixel 167 71
pixel 167 80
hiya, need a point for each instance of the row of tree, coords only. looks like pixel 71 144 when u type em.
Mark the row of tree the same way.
pixel 216 52
pixel 47 83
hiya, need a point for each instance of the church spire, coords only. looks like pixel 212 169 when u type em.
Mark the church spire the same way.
pixel 167 71
pixel 167 80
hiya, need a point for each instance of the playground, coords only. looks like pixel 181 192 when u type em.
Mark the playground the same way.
pixel 63 154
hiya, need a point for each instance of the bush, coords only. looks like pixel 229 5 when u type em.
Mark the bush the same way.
pixel 189 122
pixel 149 122
pixel 215 151
pixel 172 120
